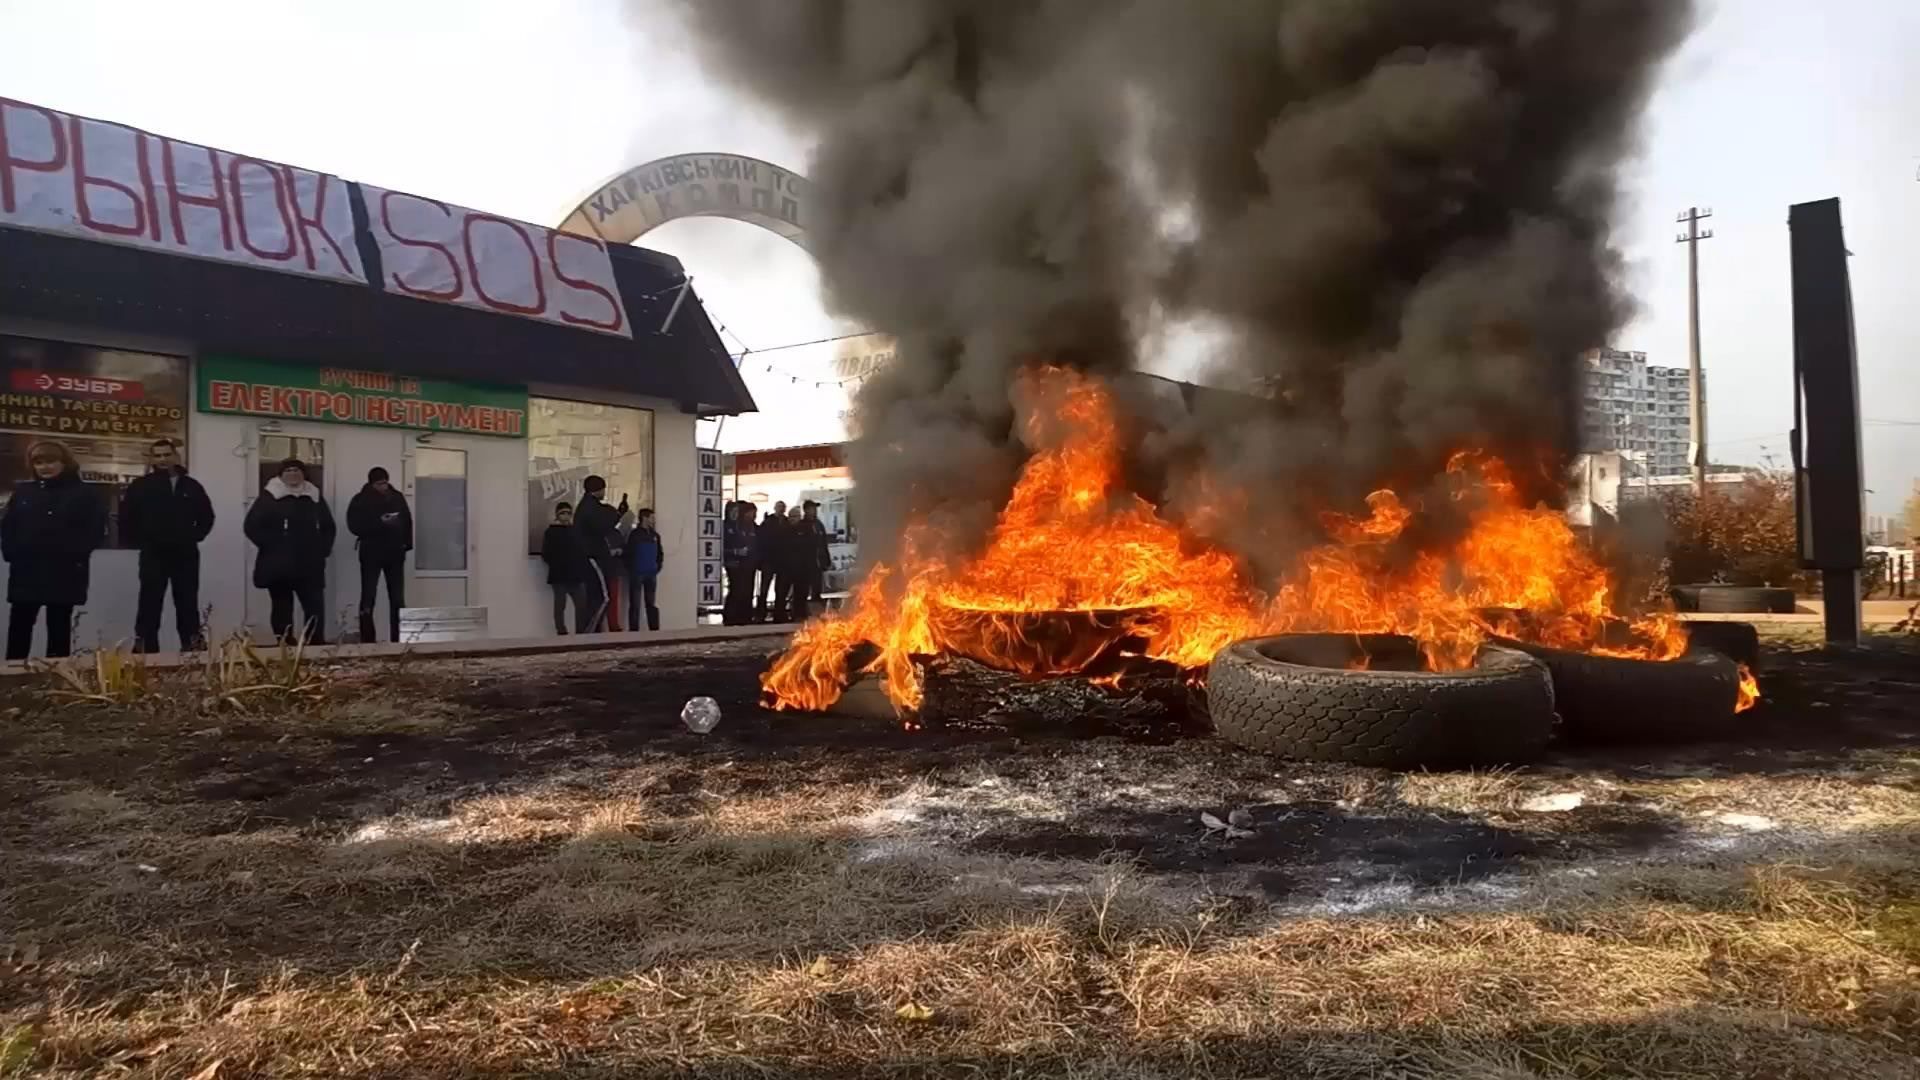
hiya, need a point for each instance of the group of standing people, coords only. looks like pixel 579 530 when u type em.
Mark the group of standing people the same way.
pixel 785 556
pixel 54 523
pixel 598 556
pixel 293 529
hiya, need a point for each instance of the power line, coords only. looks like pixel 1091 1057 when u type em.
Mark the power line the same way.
pixel 746 357
pixel 796 380
pixel 1756 438
pixel 721 326
pixel 1785 434
pixel 737 340
pixel 815 341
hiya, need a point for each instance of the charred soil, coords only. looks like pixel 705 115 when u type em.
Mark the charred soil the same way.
pixel 530 865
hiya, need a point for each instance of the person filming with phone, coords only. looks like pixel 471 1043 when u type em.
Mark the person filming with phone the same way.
pixel 382 526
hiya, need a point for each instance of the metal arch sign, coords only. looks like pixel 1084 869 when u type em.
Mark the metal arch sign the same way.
pixel 645 197
pixel 695 185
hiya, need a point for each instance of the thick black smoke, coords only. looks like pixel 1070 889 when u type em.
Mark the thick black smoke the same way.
pixel 1399 208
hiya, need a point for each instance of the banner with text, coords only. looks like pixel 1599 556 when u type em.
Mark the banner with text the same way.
pixel 346 396
pixel 431 250
pixel 859 357
pixel 67 174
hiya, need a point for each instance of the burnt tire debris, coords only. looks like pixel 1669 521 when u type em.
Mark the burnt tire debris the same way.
pixel 1737 641
pixel 1294 696
pixel 1613 699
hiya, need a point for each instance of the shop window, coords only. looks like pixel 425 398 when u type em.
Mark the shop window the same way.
pixel 107 406
pixel 568 441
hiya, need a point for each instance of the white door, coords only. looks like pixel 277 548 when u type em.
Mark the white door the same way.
pixel 442 550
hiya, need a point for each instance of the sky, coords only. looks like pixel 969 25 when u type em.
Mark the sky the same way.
pixel 524 109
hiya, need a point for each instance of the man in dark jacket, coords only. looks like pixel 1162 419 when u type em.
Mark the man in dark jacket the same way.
pixel 383 526
pixel 769 549
pixel 818 550
pixel 293 528
pixel 567 569
pixel 51 527
pixel 796 569
pixel 645 555
pixel 738 553
pixel 165 516
pixel 599 528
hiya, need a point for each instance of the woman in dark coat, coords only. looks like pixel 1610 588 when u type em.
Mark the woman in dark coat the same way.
pixel 294 530
pixel 51 527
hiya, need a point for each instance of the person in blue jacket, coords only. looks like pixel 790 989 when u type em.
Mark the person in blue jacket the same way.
pixel 645 556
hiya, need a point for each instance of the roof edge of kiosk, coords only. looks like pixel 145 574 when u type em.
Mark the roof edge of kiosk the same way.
pixel 106 225
pixel 60 279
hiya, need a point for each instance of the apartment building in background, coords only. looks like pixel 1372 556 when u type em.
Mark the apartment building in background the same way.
pixel 1637 409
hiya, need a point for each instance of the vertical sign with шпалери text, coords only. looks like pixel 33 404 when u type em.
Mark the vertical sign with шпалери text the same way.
pixel 708 520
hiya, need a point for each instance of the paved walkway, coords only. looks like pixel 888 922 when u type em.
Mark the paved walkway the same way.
pixel 1879 614
pixel 1874 613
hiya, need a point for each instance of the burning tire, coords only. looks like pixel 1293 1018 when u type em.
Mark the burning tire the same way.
pixel 1612 699
pixel 1297 696
pixel 1737 641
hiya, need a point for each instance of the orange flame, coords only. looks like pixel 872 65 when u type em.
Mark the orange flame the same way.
pixel 1076 565
pixel 1749 690
pixel 1068 541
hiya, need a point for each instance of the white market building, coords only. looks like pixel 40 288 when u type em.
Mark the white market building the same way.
pixel 253 311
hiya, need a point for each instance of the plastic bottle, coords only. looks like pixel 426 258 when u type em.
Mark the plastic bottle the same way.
pixel 701 715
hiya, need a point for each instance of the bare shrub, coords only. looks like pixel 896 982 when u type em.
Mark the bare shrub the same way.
pixel 1745 536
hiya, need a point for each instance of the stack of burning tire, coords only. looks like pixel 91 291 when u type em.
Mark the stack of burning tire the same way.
pixel 1370 699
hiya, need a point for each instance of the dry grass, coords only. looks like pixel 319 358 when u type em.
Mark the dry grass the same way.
pixel 628 916
pixel 1884 796
pixel 1828 802
pixel 581 937
pixel 1466 791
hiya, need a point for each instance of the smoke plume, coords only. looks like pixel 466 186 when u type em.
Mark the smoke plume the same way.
pixel 1398 210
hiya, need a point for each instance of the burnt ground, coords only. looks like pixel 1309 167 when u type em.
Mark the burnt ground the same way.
pixel 412 744
pixel 529 867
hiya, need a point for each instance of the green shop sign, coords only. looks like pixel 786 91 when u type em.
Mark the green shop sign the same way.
pixel 329 395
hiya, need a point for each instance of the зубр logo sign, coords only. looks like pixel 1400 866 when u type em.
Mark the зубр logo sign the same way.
pixel 67 385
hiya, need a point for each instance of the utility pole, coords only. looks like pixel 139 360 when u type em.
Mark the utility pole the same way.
pixel 1696 398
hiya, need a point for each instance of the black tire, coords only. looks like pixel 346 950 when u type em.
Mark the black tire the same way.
pixel 865 700
pixel 1611 699
pixel 1737 599
pixel 1686 597
pixel 1737 641
pixel 1291 696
